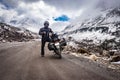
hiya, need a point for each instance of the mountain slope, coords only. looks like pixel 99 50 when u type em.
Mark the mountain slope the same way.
pixel 9 33
pixel 106 23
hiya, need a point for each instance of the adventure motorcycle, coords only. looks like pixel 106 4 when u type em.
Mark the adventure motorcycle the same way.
pixel 57 45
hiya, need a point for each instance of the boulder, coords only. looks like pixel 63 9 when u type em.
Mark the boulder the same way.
pixel 105 53
pixel 93 57
pixel 115 59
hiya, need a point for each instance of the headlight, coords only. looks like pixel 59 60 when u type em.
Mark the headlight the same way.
pixel 57 44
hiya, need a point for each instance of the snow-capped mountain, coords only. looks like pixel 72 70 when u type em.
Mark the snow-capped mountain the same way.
pixel 99 25
pixel 28 23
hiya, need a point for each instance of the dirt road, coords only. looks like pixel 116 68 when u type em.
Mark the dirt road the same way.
pixel 22 61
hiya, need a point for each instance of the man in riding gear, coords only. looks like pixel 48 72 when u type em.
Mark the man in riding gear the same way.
pixel 45 32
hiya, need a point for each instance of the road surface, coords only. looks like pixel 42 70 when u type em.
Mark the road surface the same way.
pixel 22 61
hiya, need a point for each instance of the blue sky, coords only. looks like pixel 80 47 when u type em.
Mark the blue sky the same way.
pixel 62 18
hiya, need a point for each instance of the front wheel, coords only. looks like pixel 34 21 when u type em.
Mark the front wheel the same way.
pixel 58 52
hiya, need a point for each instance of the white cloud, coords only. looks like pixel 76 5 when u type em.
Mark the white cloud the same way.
pixel 6 15
pixel 38 12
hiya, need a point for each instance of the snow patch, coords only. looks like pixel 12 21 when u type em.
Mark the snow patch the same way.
pixel 95 36
pixel 116 62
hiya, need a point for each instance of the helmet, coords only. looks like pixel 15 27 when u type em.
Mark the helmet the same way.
pixel 46 23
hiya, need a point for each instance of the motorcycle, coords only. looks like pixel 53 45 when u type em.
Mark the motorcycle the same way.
pixel 57 45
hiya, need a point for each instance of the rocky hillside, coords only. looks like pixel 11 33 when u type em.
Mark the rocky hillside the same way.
pixel 98 34
pixel 102 27
pixel 9 33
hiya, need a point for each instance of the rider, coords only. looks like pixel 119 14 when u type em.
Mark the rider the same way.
pixel 45 32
